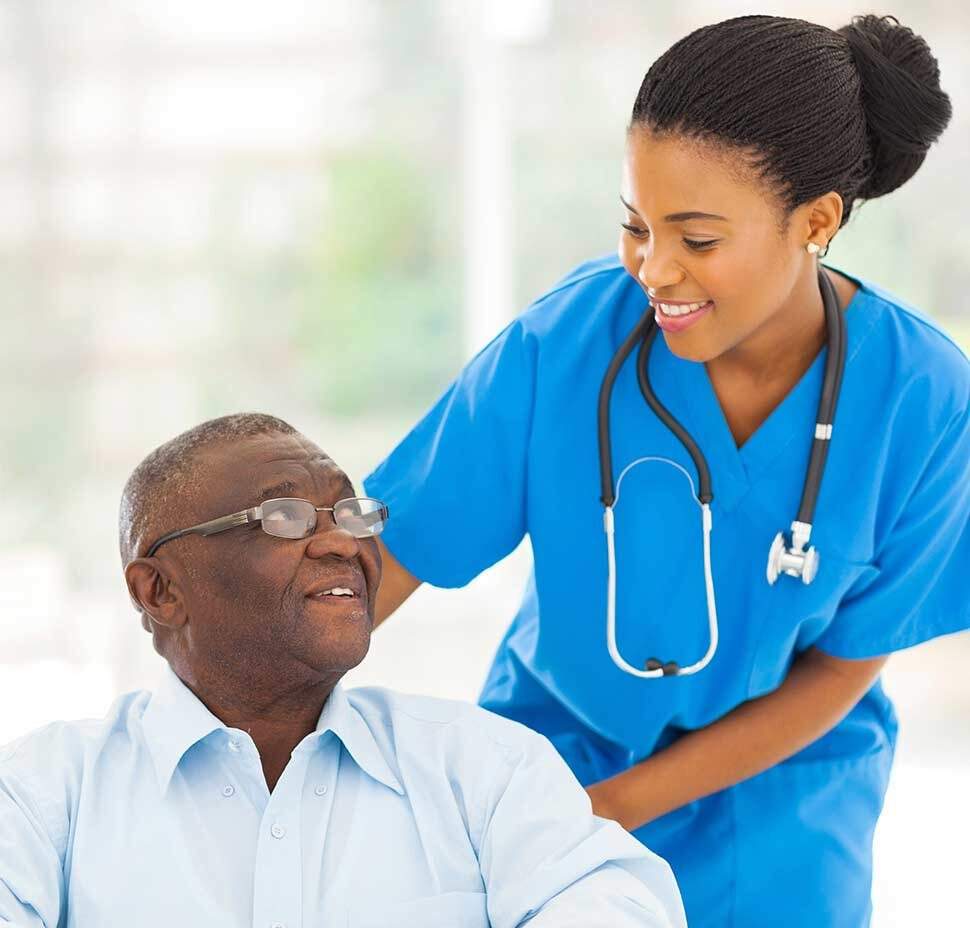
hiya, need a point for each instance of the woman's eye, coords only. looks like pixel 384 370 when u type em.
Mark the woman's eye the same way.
pixel 692 244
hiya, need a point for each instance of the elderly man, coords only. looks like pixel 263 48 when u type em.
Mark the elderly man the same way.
pixel 251 788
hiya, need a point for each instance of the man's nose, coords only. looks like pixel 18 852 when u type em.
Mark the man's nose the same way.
pixel 330 541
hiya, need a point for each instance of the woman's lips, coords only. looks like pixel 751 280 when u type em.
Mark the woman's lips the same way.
pixel 680 323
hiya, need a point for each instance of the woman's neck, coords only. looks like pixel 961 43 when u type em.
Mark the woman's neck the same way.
pixel 754 377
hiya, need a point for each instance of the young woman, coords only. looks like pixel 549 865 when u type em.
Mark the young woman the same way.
pixel 715 690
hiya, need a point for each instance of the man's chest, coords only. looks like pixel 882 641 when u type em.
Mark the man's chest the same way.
pixel 208 854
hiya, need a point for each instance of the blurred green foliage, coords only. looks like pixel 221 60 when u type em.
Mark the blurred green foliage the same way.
pixel 362 313
pixel 377 322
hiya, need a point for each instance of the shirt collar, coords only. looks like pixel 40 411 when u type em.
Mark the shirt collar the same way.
pixel 340 716
pixel 175 719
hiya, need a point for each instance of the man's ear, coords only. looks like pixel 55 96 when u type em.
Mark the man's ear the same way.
pixel 155 593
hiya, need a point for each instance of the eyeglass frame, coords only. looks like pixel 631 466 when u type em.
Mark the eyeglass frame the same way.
pixel 255 514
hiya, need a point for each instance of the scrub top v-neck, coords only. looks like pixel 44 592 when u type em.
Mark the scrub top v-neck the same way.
pixel 510 449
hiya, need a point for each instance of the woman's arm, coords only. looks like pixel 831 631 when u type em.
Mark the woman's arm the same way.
pixel 817 694
pixel 397 584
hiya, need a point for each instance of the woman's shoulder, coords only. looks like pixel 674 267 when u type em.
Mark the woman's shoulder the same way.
pixel 590 290
pixel 905 321
pixel 593 272
pixel 903 354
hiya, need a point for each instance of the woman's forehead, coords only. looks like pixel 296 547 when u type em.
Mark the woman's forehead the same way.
pixel 686 174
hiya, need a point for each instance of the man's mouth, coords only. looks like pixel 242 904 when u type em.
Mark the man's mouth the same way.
pixel 340 592
pixel 338 601
pixel 347 588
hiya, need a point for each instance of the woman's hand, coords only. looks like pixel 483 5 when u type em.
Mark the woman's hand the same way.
pixel 607 801
pixel 818 693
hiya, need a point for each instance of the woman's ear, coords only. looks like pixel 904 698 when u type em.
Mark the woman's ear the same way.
pixel 155 593
pixel 825 216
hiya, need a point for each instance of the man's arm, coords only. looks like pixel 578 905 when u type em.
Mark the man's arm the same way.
pixel 31 874
pixel 817 694
pixel 546 860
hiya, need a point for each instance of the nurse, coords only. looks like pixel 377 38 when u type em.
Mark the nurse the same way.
pixel 760 777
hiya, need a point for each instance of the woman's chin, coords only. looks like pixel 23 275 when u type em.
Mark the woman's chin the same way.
pixel 689 348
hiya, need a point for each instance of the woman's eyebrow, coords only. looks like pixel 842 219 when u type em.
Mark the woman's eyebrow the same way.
pixel 680 217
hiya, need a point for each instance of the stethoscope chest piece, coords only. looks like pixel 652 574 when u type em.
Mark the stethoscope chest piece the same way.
pixel 792 561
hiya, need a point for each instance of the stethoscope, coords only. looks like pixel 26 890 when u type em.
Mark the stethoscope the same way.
pixel 793 559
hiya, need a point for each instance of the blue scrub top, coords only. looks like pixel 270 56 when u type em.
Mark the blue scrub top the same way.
pixel 510 449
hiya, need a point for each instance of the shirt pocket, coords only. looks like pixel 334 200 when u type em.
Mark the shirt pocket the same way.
pixel 447 910
pixel 792 615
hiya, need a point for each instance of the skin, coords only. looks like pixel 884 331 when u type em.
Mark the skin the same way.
pixel 230 613
pixel 768 321
pixel 766 328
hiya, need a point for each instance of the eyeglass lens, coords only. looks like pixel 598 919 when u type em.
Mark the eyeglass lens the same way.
pixel 297 518
pixel 360 516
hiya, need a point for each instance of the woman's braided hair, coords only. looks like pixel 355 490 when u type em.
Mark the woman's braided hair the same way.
pixel 852 110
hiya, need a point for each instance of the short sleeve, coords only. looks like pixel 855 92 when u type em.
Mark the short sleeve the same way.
pixel 456 485
pixel 547 860
pixel 31 876
pixel 919 589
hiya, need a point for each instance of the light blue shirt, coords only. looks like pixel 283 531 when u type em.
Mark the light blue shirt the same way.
pixel 397 810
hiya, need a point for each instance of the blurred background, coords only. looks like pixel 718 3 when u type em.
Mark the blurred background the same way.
pixel 320 210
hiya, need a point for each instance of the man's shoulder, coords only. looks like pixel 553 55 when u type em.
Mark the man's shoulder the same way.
pixel 438 724
pixel 59 751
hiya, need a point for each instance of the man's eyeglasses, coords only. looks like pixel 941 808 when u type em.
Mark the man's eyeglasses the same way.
pixel 362 516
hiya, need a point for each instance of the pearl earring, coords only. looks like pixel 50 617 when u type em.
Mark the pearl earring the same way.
pixel 812 248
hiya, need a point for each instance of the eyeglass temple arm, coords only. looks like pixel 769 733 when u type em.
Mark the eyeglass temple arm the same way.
pixel 212 527
pixel 223 523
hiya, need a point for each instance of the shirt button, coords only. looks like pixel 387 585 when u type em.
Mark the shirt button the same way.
pixel 277 831
pixel 234 747
pixel 277 925
pixel 321 790
pixel 228 790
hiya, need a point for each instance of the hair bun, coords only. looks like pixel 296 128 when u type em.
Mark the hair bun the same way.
pixel 906 110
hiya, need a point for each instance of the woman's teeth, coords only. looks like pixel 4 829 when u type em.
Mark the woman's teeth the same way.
pixel 668 309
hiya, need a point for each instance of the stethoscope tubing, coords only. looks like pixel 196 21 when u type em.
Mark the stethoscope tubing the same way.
pixel 644 332
pixel 707 523
pixel 828 401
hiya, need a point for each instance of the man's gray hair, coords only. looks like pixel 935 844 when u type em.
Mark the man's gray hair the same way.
pixel 171 473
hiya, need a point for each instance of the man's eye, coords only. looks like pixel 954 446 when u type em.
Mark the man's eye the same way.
pixel 633 230
pixel 698 246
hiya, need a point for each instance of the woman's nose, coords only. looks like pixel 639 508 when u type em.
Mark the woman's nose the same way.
pixel 656 273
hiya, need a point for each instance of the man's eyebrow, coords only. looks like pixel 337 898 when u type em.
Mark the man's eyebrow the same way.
pixel 680 217
pixel 281 489
pixel 346 487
